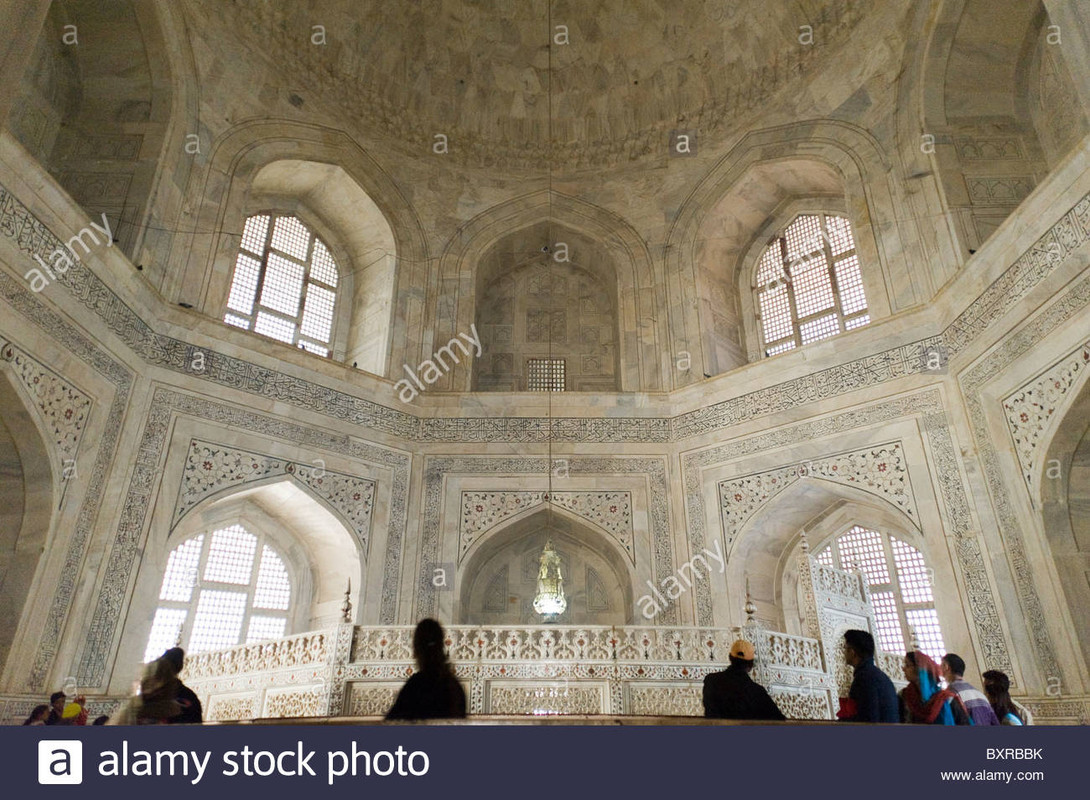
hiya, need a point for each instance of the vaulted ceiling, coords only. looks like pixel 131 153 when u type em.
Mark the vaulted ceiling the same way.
pixel 604 82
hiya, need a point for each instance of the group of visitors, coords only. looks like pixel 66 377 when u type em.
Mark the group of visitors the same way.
pixel 163 699
pixel 924 700
pixel 60 712
pixel 732 694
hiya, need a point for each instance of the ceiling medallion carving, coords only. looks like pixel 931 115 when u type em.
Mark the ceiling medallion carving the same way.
pixel 498 82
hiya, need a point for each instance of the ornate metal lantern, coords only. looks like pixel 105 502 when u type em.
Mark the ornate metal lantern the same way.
pixel 549 600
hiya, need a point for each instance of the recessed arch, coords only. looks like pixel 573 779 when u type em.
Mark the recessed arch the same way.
pixel 317 547
pixel 1063 475
pixel 97 111
pixel 765 549
pixel 643 360
pixel 535 300
pixel 517 542
pixel 830 149
pixel 995 108
pixel 223 195
pixel 27 480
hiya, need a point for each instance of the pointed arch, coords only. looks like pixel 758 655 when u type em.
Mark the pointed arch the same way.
pixel 875 204
pixel 220 197
pixel 1063 496
pixel 766 547
pixel 589 546
pixel 639 300
pixel 27 481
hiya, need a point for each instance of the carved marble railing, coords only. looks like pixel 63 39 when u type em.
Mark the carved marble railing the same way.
pixel 546 669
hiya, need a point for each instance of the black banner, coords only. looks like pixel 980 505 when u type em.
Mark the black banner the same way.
pixel 546 761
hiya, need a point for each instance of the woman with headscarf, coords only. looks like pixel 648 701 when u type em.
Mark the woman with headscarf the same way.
pixel 922 701
pixel 432 692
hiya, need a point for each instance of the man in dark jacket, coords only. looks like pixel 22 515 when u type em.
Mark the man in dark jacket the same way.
pixel 873 698
pixel 732 694
pixel 186 697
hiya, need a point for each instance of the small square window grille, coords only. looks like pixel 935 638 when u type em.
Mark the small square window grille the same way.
pixel 545 374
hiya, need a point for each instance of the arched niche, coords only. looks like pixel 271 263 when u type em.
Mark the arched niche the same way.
pixel 643 356
pixel 277 154
pixel 1064 477
pixel 498 578
pixel 359 236
pixel 26 508
pixel 766 549
pixel 95 109
pixel 997 109
pixel 764 170
pixel 535 300
pixel 733 236
pixel 318 549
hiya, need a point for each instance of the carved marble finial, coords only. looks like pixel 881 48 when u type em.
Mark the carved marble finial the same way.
pixel 750 608
pixel 346 608
pixel 805 544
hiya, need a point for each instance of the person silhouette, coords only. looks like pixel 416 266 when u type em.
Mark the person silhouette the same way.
pixel 432 692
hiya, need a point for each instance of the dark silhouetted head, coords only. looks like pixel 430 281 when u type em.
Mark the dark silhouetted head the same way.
pixel 428 646
pixel 175 656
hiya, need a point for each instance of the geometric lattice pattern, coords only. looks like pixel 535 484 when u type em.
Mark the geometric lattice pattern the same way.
pixel 545 374
pixel 219 592
pixel 284 284
pixel 901 588
pixel 808 284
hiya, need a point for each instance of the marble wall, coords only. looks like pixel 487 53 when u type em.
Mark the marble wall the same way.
pixel 915 421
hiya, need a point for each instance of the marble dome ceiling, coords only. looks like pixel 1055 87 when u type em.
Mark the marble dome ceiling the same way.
pixel 479 72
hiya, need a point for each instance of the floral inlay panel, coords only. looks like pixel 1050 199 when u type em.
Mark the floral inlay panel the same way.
pixel 610 511
pixel 210 468
pixel 1029 410
pixel 881 470
pixel 63 408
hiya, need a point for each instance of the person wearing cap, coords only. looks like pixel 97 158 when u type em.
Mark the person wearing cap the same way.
pixel 732 694
pixel 872 697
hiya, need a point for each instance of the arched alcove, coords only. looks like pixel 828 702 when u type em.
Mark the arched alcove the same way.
pixel 1064 477
pixel 96 107
pixel 26 508
pixel 341 189
pixel 318 550
pixel 498 578
pixel 327 198
pixel 755 181
pixel 766 548
pixel 599 241
pixel 537 301
pixel 999 110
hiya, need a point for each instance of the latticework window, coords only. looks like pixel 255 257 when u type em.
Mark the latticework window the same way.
pixel 545 374
pixel 220 590
pixel 808 284
pixel 900 587
pixel 285 283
